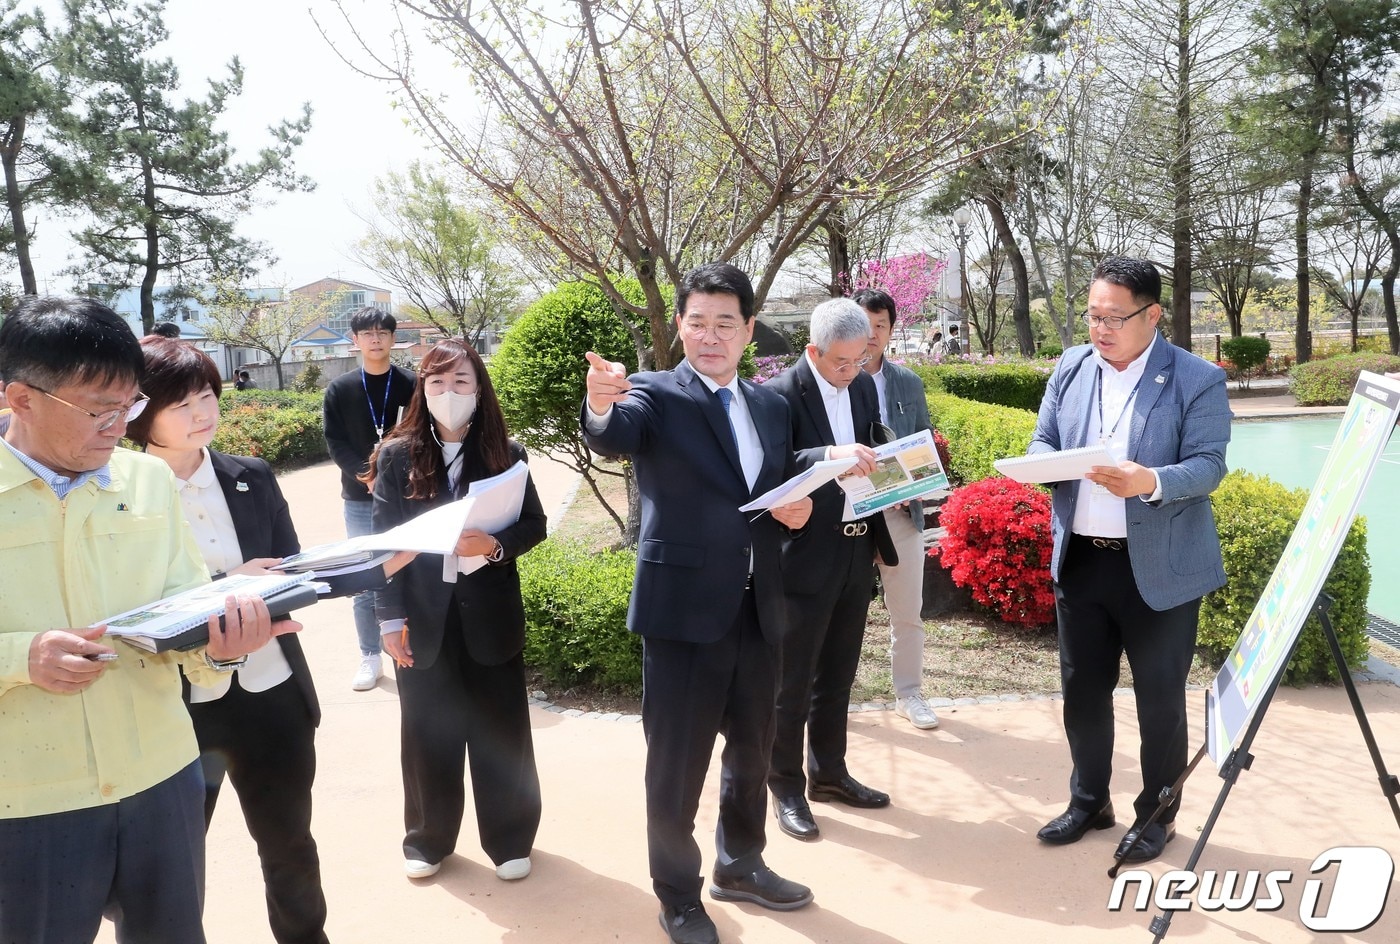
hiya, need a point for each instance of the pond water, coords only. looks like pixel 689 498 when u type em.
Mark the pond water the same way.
pixel 1293 452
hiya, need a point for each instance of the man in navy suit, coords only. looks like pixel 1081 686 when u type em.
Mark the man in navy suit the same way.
pixel 828 571
pixel 708 594
pixel 1135 543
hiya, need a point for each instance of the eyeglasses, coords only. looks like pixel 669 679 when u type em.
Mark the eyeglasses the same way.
pixel 856 364
pixel 697 330
pixel 107 420
pixel 1113 321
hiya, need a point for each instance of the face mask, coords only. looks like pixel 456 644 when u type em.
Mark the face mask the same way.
pixel 451 409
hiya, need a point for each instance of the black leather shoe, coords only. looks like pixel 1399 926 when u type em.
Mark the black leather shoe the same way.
pixel 764 887
pixel 848 791
pixel 1154 840
pixel 688 924
pixel 1071 825
pixel 795 818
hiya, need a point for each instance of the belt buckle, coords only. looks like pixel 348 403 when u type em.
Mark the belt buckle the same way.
pixel 854 529
pixel 1109 544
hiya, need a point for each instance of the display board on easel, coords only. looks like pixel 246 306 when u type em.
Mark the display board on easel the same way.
pixel 1264 645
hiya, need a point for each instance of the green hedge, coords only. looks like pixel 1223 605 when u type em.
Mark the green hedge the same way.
pixel 1255 517
pixel 1330 382
pixel 1019 384
pixel 576 616
pixel 280 426
pixel 979 433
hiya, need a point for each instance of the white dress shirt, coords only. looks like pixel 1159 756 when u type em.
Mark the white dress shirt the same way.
pixel 209 518
pixel 1097 511
pixel 837 401
pixel 879 378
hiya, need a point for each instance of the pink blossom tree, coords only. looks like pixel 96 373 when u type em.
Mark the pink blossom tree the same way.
pixel 910 280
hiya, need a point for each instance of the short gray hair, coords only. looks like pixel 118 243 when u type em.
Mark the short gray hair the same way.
pixel 836 320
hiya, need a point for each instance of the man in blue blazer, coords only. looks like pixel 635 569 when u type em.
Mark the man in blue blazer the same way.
pixel 708 593
pixel 1135 544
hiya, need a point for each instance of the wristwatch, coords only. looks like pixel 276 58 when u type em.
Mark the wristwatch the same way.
pixel 498 554
pixel 228 666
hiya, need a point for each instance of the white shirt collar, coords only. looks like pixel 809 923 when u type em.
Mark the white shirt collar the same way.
pixel 828 389
pixel 203 476
pixel 1134 370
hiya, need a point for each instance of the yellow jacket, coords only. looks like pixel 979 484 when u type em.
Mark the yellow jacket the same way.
pixel 67 564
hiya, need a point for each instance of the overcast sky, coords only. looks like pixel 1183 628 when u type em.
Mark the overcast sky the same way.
pixel 355 136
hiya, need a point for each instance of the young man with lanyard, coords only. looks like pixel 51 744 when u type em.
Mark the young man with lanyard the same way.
pixel 359 410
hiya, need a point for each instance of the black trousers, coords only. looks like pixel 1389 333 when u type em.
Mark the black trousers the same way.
pixel 451 708
pixel 1101 616
pixel 691 693
pixel 818 657
pixel 265 743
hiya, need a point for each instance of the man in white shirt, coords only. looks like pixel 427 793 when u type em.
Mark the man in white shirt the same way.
pixel 1135 543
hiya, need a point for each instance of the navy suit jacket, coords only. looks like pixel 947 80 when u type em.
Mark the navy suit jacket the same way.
pixel 694 547
pixel 1180 427
pixel 808 557
pixel 263 523
pixel 492 613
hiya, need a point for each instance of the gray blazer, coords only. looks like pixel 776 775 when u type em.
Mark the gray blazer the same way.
pixel 908 408
pixel 1180 428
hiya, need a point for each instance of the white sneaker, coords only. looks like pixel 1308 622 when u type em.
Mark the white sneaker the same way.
pixel 513 870
pixel 419 868
pixel 917 711
pixel 367 676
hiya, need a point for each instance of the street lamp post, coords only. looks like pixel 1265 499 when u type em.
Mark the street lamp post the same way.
pixel 961 217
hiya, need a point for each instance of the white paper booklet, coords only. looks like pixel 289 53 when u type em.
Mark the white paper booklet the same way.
pixel 1054 466
pixel 800 485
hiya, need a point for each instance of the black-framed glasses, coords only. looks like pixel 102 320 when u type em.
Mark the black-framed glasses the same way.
pixel 696 330
pixel 108 419
pixel 1113 322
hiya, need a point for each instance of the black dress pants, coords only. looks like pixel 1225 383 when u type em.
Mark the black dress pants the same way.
pixel 692 692
pixel 265 742
pixel 1101 616
pixel 453 708
pixel 818 657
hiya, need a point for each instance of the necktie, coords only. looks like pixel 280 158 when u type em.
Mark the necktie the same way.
pixel 726 396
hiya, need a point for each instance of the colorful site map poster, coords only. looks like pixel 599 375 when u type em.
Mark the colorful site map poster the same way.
pixel 1263 647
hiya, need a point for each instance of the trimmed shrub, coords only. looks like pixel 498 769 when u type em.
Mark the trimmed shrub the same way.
pixel 1246 352
pixel 1330 382
pixel 280 426
pixel 979 433
pixel 1018 384
pixel 998 546
pixel 576 616
pixel 1255 517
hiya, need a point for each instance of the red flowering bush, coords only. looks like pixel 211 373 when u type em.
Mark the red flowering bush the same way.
pixel 998 546
pixel 940 443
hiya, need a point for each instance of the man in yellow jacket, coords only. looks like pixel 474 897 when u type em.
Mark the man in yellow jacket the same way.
pixel 101 794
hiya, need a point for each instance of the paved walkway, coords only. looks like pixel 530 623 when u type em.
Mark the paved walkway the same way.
pixel 954 859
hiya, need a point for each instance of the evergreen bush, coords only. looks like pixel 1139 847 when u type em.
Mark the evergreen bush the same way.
pixel 1330 382
pixel 1255 517
pixel 576 616
pixel 1246 353
pixel 1019 384
pixel 281 426
pixel 978 433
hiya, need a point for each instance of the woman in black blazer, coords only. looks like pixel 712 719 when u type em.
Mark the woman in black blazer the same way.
pixel 259 726
pixel 460 669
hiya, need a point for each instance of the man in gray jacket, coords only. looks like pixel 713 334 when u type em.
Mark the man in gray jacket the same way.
pixel 904 410
pixel 1135 542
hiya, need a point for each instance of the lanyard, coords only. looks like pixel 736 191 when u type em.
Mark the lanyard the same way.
pixel 1098 390
pixel 378 421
